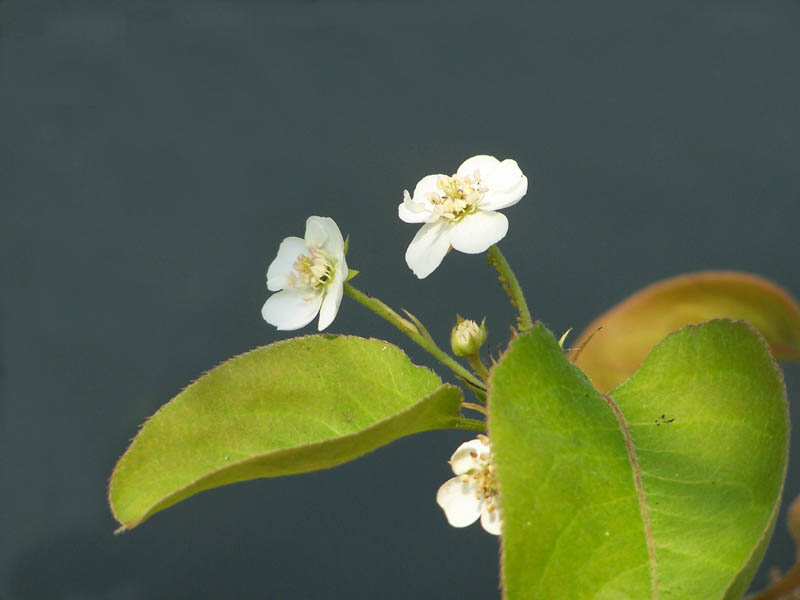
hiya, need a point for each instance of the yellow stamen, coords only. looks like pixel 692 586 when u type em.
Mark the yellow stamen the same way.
pixel 312 272
pixel 457 196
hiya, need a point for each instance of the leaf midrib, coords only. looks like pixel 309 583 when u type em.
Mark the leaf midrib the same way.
pixel 640 493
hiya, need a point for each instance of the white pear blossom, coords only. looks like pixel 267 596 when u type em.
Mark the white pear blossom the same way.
pixel 460 211
pixel 309 276
pixel 472 493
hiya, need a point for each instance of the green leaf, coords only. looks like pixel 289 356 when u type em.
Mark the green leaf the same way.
pixel 622 337
pixel 298 405
pixel 667 488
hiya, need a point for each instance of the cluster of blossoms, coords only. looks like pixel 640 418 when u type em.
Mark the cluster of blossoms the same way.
pixel 458 212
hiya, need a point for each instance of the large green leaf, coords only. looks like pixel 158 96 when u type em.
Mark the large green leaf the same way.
pixel 667 488
pixel 615 344
pixel 294 406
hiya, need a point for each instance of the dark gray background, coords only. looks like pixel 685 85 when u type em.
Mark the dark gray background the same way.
pixel 154 154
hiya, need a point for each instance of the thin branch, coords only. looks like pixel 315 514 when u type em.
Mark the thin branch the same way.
pixel 411 330
pixel 510 284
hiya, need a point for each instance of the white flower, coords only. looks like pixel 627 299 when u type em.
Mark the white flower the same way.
pixel 460 211
pixel 473 492
pixel 310 274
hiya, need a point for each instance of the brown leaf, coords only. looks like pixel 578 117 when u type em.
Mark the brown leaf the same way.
pixel 624 335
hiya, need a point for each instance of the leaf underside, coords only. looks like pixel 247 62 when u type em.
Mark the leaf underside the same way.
pixel 299 405
pixel 615 344
pixel 666 488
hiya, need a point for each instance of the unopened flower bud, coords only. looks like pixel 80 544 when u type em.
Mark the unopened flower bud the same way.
pixel 467 337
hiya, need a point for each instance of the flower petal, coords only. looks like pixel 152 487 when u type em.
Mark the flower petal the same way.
pixel 413 212
pixel 506 186
pixel 483 163
pixel 476 232
pixel 291 309
pixel 458 502
pixel 279 269
pixel 427 249
pixel 318 230
pixel 466 456
pixel 333 296
pixel 426 185
pixel 491 521
pixel 334 242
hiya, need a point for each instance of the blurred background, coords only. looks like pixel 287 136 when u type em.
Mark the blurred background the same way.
pixel 154 154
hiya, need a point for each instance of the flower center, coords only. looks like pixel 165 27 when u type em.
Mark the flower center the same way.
pixel 457 196
pixel 484 479
pixel 312 272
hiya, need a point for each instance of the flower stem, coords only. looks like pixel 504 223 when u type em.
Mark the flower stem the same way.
pixel 510 284
pixel 411 330
pixel 472 425
pixel 474 406
pixel 477 364
pixel 480 393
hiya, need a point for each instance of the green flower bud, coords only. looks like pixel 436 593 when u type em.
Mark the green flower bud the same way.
pixel 467 337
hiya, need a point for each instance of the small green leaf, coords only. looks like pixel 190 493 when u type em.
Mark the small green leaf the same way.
pixel 622 337
pixel 351 273
pixel 667 488
pixel 299 405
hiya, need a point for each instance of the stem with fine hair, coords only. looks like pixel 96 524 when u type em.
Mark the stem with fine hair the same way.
pixel 411 330
pixel 510 284
pixel 478 366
